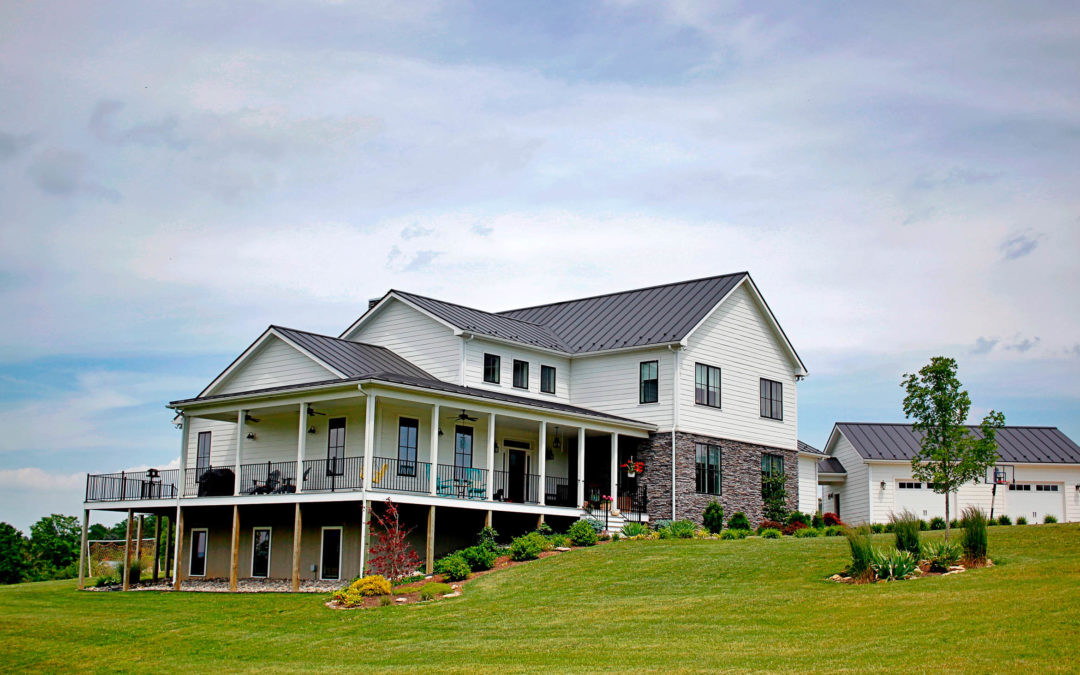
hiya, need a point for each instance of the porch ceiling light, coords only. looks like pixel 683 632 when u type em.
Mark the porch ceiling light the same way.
pixel 556 443
pixel 251 435
pixel 311 430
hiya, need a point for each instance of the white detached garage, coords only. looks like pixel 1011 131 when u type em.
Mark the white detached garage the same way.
pixel 867 474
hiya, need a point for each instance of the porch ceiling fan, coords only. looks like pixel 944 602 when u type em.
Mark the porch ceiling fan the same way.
pixel 311 411
pixel 463 417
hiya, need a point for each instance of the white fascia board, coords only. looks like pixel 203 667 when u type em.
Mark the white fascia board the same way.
pixel 324 391
pixel 619 350
pixel 831 443
pixel 383 303
pixel 246 354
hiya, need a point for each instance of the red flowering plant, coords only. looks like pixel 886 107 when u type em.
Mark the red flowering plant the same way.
pixel 633 467
pixel 392 556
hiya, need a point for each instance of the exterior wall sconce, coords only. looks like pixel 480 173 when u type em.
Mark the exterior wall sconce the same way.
pixel 882 485
pixel 251 435
pixel 441 432
pixel 311 430
pixel 1078 487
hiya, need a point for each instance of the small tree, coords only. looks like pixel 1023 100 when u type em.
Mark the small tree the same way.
pixel 774 494
pixel 12 555
pixel 949 455
pixel 392 556
pixel 713 517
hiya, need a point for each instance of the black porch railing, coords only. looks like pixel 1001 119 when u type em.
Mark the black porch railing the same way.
pixel 210 481
pixel 557 491
pixel 391 473
pixel 461 481
pixel 334 474
pixel 519 488
pixel 268 478
pixel 123 486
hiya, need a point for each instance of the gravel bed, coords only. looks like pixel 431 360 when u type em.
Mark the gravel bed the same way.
pixel 242 586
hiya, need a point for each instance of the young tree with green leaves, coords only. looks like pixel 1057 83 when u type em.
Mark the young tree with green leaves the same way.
pixel 950 455
pixel 13 561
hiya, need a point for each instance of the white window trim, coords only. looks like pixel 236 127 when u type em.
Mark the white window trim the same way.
pixel 341 549
pixel 269 551
pixel 191 550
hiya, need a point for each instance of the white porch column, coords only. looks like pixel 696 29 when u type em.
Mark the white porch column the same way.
pixel 541 461
pixel 301 448
pixel 614 469
pixel 433 472
pixel 369 439
pixel 241 417
pixel 184 436
pixel 580 466
pixel 490 483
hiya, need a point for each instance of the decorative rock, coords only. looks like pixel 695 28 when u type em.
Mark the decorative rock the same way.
pixel 562 549
pixel 401 601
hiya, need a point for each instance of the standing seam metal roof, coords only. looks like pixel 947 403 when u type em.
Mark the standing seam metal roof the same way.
pixel 1020 445
pixel 806 447
pixel 352 359
pixel 478 321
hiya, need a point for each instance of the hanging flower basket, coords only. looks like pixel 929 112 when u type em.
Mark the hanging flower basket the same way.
pixel 633 468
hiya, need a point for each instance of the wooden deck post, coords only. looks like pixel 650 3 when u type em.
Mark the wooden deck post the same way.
pixel 83 557
pixel 138 538
pixel 429 560
pixel 178 571
pixel 157 545
pixel 127 553
pixel 580 467
pixel 234 549
pixel 487 518
pixel 296 550
pixel 169 549
pixel 365 525
pixel 539 521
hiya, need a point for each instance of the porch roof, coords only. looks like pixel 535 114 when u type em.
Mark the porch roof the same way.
pixel 422 383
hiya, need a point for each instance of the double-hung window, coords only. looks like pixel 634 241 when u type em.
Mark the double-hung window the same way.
pixel 707 385
pixel 335 447
pixel 708 474
pixel 649 382
pixel 521 374
pixel 492 364
pixel 547 379
pixel 408 431
pixel 202 455
pixel 772 399
pixel 772 465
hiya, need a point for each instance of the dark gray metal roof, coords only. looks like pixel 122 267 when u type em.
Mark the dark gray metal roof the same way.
pixel 353 359
pixel 806 447
pixel 486 323
pixel 646 316
pixel 830 465
pixel 1019 445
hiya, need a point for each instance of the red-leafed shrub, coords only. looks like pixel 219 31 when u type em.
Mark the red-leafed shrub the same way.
pixel 790 529
pixel 769 525
pixel 392 555
pixel 833 519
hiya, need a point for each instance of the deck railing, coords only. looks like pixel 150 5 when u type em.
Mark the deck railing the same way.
pixel 391 473
pixel 461 482
pixel 210 481
pixel 123 486
pixel 519 488
pixel 334 474
pixel 266 478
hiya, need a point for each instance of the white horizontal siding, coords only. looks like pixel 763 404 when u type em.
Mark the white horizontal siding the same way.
pixel 609 383
pixel 222 441
pixel 808 501
pixel 738 339
pixel 854 492
pixel 273 364
pixel 474 369
pixel 415 337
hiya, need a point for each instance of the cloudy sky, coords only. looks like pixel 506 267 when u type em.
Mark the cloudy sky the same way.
pixel 901 181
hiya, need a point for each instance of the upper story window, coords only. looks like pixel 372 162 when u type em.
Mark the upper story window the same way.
pixel 547 379
pixel 772 399
pixel 408 432
pixel 649 382
pixel 707 385
pixel 772 465
pixel 492 366
pixel 521 374
pixel 707 477
pixel 335 447
pixel 202 454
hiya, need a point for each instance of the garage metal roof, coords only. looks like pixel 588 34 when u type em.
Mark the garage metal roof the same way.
pixel 1016 445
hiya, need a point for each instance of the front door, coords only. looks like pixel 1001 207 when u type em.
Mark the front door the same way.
pixel 515 488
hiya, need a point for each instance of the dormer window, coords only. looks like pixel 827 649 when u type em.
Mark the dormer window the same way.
pixel 492 365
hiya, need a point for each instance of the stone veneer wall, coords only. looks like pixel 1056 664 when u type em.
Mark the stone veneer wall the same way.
pixel 740 481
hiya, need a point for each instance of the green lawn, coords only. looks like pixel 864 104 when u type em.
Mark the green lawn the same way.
pixel 657 605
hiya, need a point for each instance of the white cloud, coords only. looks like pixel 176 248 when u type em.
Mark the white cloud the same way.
pixel 39 480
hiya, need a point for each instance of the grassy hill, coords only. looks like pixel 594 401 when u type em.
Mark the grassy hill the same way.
pixel 656 605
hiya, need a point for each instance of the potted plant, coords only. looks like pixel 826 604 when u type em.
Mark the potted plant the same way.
pixel 605 502
pixel 632 468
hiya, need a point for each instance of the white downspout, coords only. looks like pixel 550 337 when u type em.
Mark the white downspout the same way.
pixel 464 341
pixel 674 420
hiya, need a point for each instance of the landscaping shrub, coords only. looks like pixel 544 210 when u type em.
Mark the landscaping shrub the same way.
pixel 487 537
pixel 770 533
pixel 582 533
pixel 906 527
pixel 134 571
pixel 954 524
pixel 604 536
pixel 106 580
pixel 370 586
pixel 738 521
pixel 734 534
pixel 817 522
pixel 804 532
pixel 385 601
pixel 412 578
pixel 455 567
pixel 1021 521
pixel 1004 520
pixel 544 529
pixel 679 529
pixel 832 519
pixel 614 536
pixel 433 591
pixel 479 558
pixel 634 529
pixel 893 564
pixel 774 497
pixel 792 528
pixel 834 530
pixel 941 555
pixel 596 525
pixel 888 528
pixel 1049 519
pixel 769 525
pixel 391 554
pixel 937 523
pixel 975 535
pixel 862 553
pixel 798 517
pixel 558 540
pixel 544 542
pixel 877 528
pixel 713 517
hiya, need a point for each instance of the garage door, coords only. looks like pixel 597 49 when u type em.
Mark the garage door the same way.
pixel 1035 501
pixel 920 499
